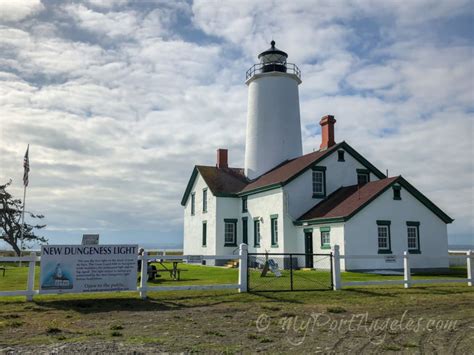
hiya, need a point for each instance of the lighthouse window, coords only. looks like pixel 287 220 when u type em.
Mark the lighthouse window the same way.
pixel 319 181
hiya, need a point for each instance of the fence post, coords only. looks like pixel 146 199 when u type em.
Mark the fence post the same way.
pixel 336 269
pixel 406 270
pixel 144 275
pixel 31 277
pixel 469 267
pixel 243 251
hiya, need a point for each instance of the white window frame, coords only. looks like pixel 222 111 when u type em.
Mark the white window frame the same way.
pixel 316 174
pixel 414 237
pixel 386 236
pixel 232 232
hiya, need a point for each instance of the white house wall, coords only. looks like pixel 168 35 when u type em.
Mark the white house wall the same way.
pixel 192 241
pixel 336 237
pixel 300 190
pixel 361 233
pixel 263 205
pixel 227 208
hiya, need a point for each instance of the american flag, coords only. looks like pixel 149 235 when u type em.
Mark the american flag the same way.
pixel 26 165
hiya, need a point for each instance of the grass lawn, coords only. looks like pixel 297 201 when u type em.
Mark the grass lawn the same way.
pixel 229 322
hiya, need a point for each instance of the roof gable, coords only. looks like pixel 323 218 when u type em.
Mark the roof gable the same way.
pixel 347 201
pixel 223 182
pixel 289 170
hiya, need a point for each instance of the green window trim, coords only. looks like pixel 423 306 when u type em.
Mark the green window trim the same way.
pixel 340 155
pixel 256 235
pixel 234 222
pixel 397 192
pixel 204 233
pixel 384 223
pixel 245 230
pixel 273 219
pixel 325 232
pixel 416 250
pixel 244 204
pixel 308 230
pixel 321 169
pixel 193 204
pixel 204 200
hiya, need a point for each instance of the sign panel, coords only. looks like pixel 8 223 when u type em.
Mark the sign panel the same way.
pixel 390 259
pixel 88 268
pixel 90 239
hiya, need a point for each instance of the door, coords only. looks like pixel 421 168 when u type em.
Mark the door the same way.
pixel 308 249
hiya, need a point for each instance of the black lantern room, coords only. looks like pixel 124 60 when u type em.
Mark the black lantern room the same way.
pixel 273 59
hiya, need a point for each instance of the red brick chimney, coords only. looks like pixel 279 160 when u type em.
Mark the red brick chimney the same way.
pixel 327 132
pixel 222 158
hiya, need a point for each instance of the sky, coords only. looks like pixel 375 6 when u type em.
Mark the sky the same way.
pixel 119 99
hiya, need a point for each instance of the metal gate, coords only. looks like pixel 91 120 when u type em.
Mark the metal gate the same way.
pixel 289 272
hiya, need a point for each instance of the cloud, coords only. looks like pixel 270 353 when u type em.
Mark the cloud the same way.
pixel 120 99
pixel 17 10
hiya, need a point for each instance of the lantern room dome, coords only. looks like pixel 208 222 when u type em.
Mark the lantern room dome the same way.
pixel 273 55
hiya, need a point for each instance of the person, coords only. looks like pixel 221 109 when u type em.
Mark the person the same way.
pixel 151 269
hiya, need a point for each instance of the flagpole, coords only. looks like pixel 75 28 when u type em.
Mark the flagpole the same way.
pixel 26 166
pixel 22 223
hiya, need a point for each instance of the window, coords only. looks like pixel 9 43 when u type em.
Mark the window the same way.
pixel 397 192
pixel 204 200
pixel 325 237
pixel 244 204
pixel 245 230
pixel 340 155
pixel 193 203
pixel 363 176
pixel 274 225
pixel 383 231
pixel 204 233
pixel 413 235
pixel 319 181
pixel 230 232
pixel 256 232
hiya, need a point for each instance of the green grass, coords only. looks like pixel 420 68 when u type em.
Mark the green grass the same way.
pixel 16 277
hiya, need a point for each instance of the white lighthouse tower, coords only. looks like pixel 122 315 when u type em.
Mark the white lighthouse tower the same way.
pixel 273 118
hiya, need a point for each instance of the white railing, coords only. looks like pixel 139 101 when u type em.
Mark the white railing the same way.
pixel 407 280
pixel 143 288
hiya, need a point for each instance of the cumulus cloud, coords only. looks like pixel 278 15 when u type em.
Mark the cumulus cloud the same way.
pixel 17 10
pixel 120 99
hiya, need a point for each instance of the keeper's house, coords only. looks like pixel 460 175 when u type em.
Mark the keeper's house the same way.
pixel 285 202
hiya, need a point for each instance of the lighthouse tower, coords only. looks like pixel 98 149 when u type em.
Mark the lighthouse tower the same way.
pixel 273 118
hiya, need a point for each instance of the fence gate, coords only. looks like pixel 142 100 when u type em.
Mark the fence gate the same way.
pixel 289 272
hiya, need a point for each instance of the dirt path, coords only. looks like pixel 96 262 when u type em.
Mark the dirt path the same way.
pixel 412 323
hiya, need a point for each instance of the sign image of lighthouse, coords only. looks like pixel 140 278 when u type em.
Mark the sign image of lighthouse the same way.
pixel 57 278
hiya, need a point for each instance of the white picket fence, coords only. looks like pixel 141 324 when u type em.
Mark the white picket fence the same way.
pixel 143 288
pixel 241 284
pixel 407 280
